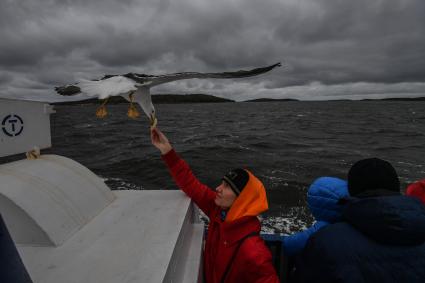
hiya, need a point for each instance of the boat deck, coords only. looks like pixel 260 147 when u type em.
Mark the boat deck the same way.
pixel 137 238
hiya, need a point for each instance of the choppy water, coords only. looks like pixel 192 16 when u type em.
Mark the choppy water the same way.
pixel 286 144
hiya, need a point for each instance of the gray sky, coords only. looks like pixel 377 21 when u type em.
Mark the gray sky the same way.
pixel 329 48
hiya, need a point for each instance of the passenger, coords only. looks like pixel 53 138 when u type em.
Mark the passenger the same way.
pixel 234 251
pixel 417 190
pixel 382 237
pixel 12 268
pixel 323 199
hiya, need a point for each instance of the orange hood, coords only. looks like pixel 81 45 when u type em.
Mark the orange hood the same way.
pixel 251 202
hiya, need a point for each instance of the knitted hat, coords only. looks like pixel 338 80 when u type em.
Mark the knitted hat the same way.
pixel 237 179
pixel 417 189
pixel 372 174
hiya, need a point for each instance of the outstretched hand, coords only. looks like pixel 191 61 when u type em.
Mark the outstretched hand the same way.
pixel 160 141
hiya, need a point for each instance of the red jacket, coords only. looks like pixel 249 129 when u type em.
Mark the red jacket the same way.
pixel 253 261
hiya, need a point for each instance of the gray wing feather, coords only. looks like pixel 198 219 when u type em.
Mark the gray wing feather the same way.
pixel 157 80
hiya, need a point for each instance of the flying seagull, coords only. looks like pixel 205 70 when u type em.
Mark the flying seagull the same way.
pixel 136 87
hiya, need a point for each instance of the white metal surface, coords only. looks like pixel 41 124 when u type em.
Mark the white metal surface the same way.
pixel 132 240
pixel 23 125
pixel 190 270
pixel 45 201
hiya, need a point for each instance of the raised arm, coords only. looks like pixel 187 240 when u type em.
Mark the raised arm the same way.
pixel 201 194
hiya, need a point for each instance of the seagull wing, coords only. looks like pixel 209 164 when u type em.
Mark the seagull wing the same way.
pixel 113 86
pixel 157 80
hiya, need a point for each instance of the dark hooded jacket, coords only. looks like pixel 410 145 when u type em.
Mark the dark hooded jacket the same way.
pixel 382 239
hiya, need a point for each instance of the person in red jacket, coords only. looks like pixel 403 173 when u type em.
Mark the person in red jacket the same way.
pixel 417 190
pixel 234 251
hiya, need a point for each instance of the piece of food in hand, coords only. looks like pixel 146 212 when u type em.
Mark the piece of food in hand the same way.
pixel 153 120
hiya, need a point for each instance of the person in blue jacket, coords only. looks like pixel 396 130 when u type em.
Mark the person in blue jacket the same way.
pixel 323 199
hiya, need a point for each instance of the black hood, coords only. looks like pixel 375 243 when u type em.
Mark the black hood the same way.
pixel 394 220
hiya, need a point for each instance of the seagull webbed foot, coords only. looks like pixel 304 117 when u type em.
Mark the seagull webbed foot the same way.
pixel 132 112
pixel 101 112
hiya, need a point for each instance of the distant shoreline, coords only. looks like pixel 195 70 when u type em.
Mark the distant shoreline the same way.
pixel 205 98
pixel 368 99
pixel 398 99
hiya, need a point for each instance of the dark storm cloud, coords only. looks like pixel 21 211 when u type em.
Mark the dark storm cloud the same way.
pixel 349 41
pixel 337 45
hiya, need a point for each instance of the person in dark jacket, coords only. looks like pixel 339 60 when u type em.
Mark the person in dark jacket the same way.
pixel 381 237
pixel 12 269
pixel 234 251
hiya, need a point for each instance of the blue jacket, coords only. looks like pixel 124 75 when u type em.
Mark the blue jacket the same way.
pixel 382 239
pixel 322 199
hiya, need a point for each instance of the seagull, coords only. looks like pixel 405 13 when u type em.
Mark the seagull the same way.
pixel 136 87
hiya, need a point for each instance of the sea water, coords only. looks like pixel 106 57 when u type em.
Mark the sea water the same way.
pixel 285 144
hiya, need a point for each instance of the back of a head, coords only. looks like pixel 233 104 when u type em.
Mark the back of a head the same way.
pixel 323 198
pixel 372 175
